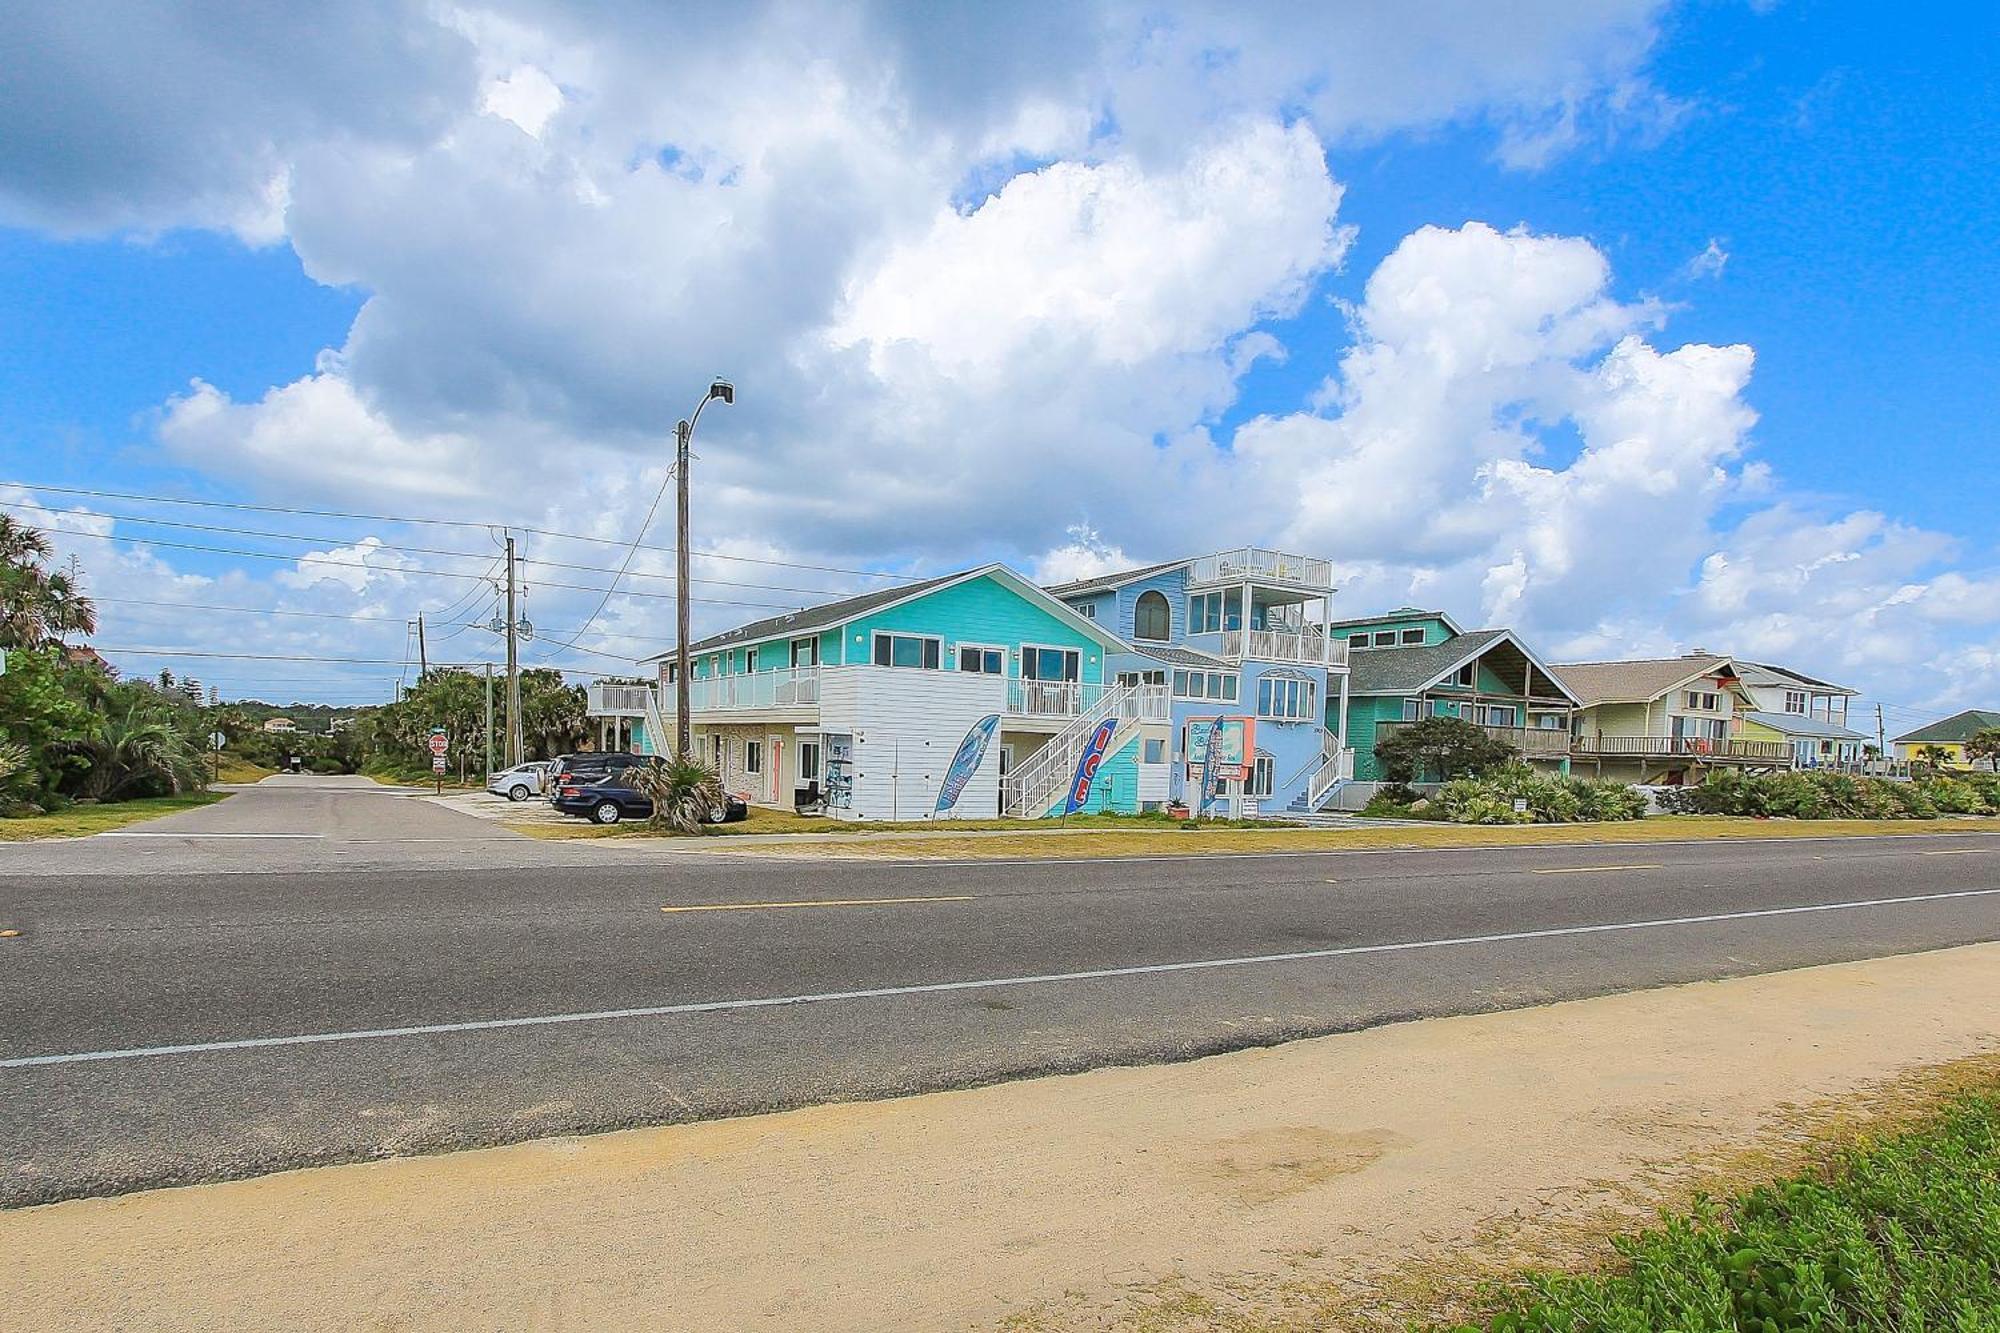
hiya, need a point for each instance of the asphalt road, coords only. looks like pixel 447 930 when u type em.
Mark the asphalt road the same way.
pixel 463 986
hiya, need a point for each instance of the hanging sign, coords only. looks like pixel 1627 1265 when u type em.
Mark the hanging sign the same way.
pixel 971 751
pixel 1088 764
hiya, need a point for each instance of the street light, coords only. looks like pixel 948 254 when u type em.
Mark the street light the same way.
pixel 683 436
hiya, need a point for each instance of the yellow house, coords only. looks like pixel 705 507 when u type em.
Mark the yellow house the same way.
pixel 1947 736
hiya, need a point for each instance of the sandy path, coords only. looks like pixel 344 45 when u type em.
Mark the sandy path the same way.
pixel 1275 1174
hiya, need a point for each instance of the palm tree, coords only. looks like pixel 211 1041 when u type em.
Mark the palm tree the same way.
pixel 37 604
pixel 1985 744
pixel 685 792
pixel 126 750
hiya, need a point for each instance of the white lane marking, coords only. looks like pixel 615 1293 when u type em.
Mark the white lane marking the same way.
pixel 1405 849
pixel 196 834
pixel 1591 870
pixel 985 983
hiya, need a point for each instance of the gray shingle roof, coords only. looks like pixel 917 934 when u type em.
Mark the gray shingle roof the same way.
pixel 1105 582
pixel 1184 657
pixel 1793 724
pixel 827 615
pixel 1634 682
pixel 1407 670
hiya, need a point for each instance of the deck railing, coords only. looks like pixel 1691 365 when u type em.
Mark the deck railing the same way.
pixel 785 687
pixel 1265 645
pixel 1682 747
pixel 1528 742
pixel 603 700
pixel 1051 698
pixel 1256 564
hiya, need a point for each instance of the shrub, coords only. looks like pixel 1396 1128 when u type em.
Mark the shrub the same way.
pixel 1472 801
pixel 1440 747
pixel 1954 797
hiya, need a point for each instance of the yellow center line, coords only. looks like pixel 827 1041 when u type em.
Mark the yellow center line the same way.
pixel 815 902
pixel 1585 870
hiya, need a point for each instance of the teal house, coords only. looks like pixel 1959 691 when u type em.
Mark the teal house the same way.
pixel 1411 664
pixel 864 703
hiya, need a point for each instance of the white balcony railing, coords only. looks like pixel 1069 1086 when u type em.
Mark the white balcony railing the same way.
pixel 1255 564
pixel 786 687
pixel 605 700
pixel 1265 645
pixel 1051 698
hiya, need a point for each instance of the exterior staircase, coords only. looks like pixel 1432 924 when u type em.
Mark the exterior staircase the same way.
pixel 1035 785
pixel 1332 767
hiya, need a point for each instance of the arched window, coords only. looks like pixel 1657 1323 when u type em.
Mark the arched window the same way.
pixel 1151 619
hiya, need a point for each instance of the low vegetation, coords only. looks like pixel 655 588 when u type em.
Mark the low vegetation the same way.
pixel 1901 1232
pixel 1514 794
pixel 78 821
pixel 1820 795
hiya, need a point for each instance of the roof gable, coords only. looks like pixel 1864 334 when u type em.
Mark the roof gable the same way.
pixel 1949 730
pixel 1640 681
pixel 1412 670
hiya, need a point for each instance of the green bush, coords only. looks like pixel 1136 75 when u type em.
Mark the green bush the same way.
pixel 1822 795
pixel 1549 799
pixel 1897 1234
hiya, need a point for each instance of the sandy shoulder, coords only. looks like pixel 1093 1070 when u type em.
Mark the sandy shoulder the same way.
pixel 1053 1202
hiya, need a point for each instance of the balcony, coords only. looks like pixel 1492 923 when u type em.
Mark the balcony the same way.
pixel 1267 645
pixel 1684 747
pixel 772 691
pixel 617 700
pixel 1255 564
pixel 1051 698
pixel 1528 742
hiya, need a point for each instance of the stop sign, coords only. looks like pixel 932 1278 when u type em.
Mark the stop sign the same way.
pixel 438 743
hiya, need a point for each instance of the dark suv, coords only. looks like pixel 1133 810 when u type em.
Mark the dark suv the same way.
pixel 588 766
pixel 614 797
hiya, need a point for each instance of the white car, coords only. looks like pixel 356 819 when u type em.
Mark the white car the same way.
pixel 519 783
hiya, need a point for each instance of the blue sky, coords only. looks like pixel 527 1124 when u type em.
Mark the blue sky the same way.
pixel 424 320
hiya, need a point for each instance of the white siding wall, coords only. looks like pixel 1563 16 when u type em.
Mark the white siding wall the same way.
pixel 907 725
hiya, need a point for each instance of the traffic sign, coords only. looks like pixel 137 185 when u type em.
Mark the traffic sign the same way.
pixel 439 744
pixel 437 764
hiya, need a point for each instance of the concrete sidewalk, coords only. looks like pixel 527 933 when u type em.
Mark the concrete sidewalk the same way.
pixel 1285 1182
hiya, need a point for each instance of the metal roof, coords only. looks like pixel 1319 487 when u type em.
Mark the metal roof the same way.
pixel 1746 670
pixel 1958 727
pixel 1393 617
pixel 1796 724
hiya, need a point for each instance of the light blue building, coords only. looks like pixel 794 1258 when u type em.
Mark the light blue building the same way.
pixel 1240 633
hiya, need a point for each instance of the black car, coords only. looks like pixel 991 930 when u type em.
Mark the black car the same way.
pixel 589 766
pixel 613 798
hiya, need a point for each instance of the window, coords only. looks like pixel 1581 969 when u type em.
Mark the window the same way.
pixel 1357 641
pixel 1142 677
pixel 1263 776
pixel 984 661
pixel 753 756
pixel 808 761
pixel 1205 613
pixel 1051 664
pixel 1285 698
pixel 1413 636
pixel 717 748
pixel 1088 610
pixel 1497 715
pixel 1151 618
pixel 1795 701
pixel 1548 721
pixel 805 652
pixel 1703 702
pixel 1412 709
pixel 1385 638
pixel 1155 750
pixel 749 659
pixel 1217 685
pixel 907 650
pixel 1467 674
pixel 670 672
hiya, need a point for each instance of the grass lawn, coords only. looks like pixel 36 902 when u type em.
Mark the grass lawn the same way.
pixel 236 769
pixel 79 820
pixel 1894 1230
pixel 1111 835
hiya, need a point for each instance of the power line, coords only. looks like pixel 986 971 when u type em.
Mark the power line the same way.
pixel 402 569
pixel 453 523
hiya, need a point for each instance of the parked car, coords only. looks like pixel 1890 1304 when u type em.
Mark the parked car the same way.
pixel 520 782
pixel 588 766
pixel 613 798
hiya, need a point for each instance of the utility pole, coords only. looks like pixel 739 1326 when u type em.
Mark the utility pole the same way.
pixel 423 658
pixel 683 726
pixel 514 728
pixel 489 722
pixel 1881 734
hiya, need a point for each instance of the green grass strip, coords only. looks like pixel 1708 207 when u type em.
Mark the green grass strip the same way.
pixel 1898 1233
